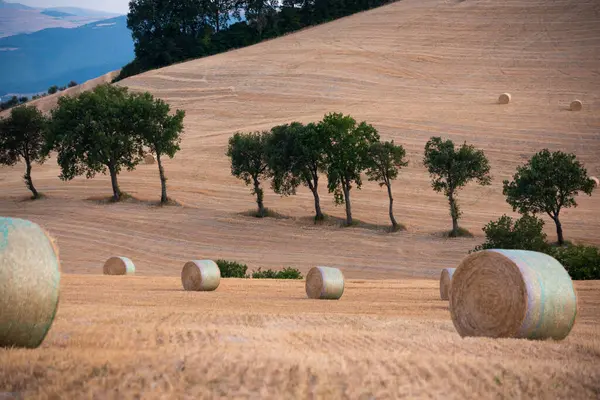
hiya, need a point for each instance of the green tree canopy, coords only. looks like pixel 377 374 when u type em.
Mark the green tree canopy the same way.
pixel 158 130
pixel 22 137
pixel 296 156
pixel 94 133
pixel 526 233
pixel 452 168
pixel 52 89
pixel 347 155
pixel 248 155
pixel 548 183
pixel 384 162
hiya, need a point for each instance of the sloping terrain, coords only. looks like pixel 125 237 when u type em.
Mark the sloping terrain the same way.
pixel 413 69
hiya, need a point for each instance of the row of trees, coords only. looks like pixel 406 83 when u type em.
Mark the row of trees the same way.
pixel 15 101
pixel 165 32
pixel 105 130
pixel 296 154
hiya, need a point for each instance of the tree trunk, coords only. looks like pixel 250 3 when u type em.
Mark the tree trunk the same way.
pixel 347 201
pixel 314 188
pixel 259 198
pixel 559 231
pixel 28 180
pixel 394 223
pixel 454 214
pixel 163 181
pixel 115 184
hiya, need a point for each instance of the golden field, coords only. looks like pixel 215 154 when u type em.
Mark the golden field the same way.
pixel 413 69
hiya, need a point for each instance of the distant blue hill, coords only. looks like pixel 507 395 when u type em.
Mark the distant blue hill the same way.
pixel 57 14
pixel 33 62
pixel 14 6
pixel 81 12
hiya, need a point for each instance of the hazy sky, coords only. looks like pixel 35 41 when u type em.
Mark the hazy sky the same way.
pixel 116 6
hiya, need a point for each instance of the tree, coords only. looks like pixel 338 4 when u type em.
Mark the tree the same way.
pixel 72 84
pixel 23 99
pixel 249 162
pixel 451 169
pixel 22 137
pixel 52 89
pixel 385 160
pixel 158 130
pixel 346 155
pixel 548 183
pixel 296 156
pixel 94 132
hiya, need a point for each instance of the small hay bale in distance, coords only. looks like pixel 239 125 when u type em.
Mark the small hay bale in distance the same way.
pixel 504 98
pixel 576 105
pixel 119 266
pixel 445 282
pixel 200 276
pixel 324 283
pixel 29 283
pixel 512 294
pixel 149 159
pixel 596 180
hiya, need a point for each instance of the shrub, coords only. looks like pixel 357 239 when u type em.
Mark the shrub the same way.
pixel 526 233
pixel 286 273
pixel 581 262
pixel 232 269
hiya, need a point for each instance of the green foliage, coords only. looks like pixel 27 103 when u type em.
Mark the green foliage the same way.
pixel 451 169
pixel 157 129
pixel 346 155
pixel 526 233
pixel 581 262
pixel 22 137
pixel 232 269
pixel 248 155
pixel 295 155
pixel 13 101
pixel 286 273
pixel 72 84
pixel 94 132
pixel 546 184
pixel 52 89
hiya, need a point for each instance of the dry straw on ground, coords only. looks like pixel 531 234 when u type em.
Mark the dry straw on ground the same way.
pixel 29 283
pixel 512 293
pixel 504 98
pixel 576 105
pixel 445 282
pixel 119 266
pixel 200 275
pixel 149 159
pixel 324 283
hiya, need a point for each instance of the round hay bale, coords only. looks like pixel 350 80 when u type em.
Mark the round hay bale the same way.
pixel 512 294
pixel 596 180
pixel 149 159
pixel 119 266
pixel 576 105
pixel 504 98
pixel 324 283
pixel 29 283
pixel 445 281
pixel 200 275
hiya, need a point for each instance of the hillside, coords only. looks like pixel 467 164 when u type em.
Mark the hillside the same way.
pixel 58 55
pixel 414 69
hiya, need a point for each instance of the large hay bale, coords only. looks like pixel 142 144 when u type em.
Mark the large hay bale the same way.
pixel 324 283
pixel 576 105
pixel 512 294
pixel 29 283
pixel 200 275
pixel 596 180
pixel 504 98
pixel 119 266
pixel 445 282
pixel 149 159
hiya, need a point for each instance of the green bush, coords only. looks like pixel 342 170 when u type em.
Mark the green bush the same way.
pixel 232 269
pixel 526 233
pixel 286 273
pixel 581 262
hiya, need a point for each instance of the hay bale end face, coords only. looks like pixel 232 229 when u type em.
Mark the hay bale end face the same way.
pixel 119 266
pixel 512 294
pixel 200 276
pixel 324 283
pixel 504 98
pixel 576 105
pixel 29 283
pixel 149 159
pixel 445 282
pixel 596 180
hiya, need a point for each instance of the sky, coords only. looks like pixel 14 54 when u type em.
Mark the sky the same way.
pixel 114 6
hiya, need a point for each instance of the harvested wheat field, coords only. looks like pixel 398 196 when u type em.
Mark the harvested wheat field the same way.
pixel 413 69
